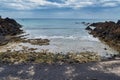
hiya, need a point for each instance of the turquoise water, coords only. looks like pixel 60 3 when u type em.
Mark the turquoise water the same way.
pixel 65 34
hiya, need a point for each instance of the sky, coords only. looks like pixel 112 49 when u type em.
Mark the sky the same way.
pixel 84 9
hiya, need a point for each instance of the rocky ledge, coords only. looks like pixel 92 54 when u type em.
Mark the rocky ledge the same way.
pixel 109 32
pixel 10 31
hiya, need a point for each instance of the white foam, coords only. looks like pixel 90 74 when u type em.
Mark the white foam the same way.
pixel 83 38
pixel 57 37
pixel 90 38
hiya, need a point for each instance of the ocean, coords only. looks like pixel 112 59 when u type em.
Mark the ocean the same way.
pixel 65 35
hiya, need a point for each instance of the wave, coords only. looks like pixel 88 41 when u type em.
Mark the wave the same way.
pixel 51 28
pixel 90 38
pixel 56 37
pixel 82 38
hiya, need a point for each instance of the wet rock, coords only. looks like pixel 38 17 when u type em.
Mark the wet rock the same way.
pixel 38 41
pixel 85 23
pixel 88 28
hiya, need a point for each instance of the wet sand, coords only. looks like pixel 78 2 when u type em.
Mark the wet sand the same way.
pixel 64 46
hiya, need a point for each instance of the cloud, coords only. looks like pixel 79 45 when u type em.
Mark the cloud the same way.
pixel 39 4
pixel 110 4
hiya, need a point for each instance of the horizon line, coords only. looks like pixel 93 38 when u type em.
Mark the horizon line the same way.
pixel 66 18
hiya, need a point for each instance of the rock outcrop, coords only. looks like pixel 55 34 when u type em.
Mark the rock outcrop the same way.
pixel 108 32
pixel 8 27
pixel 88 28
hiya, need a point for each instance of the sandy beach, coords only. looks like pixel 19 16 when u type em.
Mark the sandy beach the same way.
pixel 106 70
pixel 64 46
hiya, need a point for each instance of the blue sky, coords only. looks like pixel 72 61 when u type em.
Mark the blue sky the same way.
pixel 102 9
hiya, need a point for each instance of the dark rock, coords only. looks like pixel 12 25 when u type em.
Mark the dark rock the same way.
pixel 105 48
pixel 118 22
pixel 108 32
pixel 88 28
pixel 8 27
pixel 85 23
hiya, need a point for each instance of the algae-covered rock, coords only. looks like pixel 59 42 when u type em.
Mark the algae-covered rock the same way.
pixel 47 57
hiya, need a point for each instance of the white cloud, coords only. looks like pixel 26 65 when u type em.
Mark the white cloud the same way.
pixel 110 4
pixel 34 4
pixel 77 3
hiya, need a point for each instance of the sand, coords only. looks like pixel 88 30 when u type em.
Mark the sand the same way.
pixel 106 70
pixel 60 47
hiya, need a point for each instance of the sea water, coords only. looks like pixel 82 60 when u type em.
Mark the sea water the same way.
pixel 65 35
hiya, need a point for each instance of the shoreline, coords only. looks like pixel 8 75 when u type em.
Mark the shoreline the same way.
pixel 20 61
pixel 54 46
pixel 25 48
pixel 22 43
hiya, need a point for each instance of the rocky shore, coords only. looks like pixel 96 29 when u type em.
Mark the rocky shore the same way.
pixel 8 27
pixel 108 32
pixel 27 64
pixel 10 31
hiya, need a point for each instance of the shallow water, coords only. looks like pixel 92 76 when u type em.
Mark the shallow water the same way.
pixel 65 35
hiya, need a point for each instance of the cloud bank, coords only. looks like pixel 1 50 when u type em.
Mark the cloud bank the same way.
pixel 42 4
